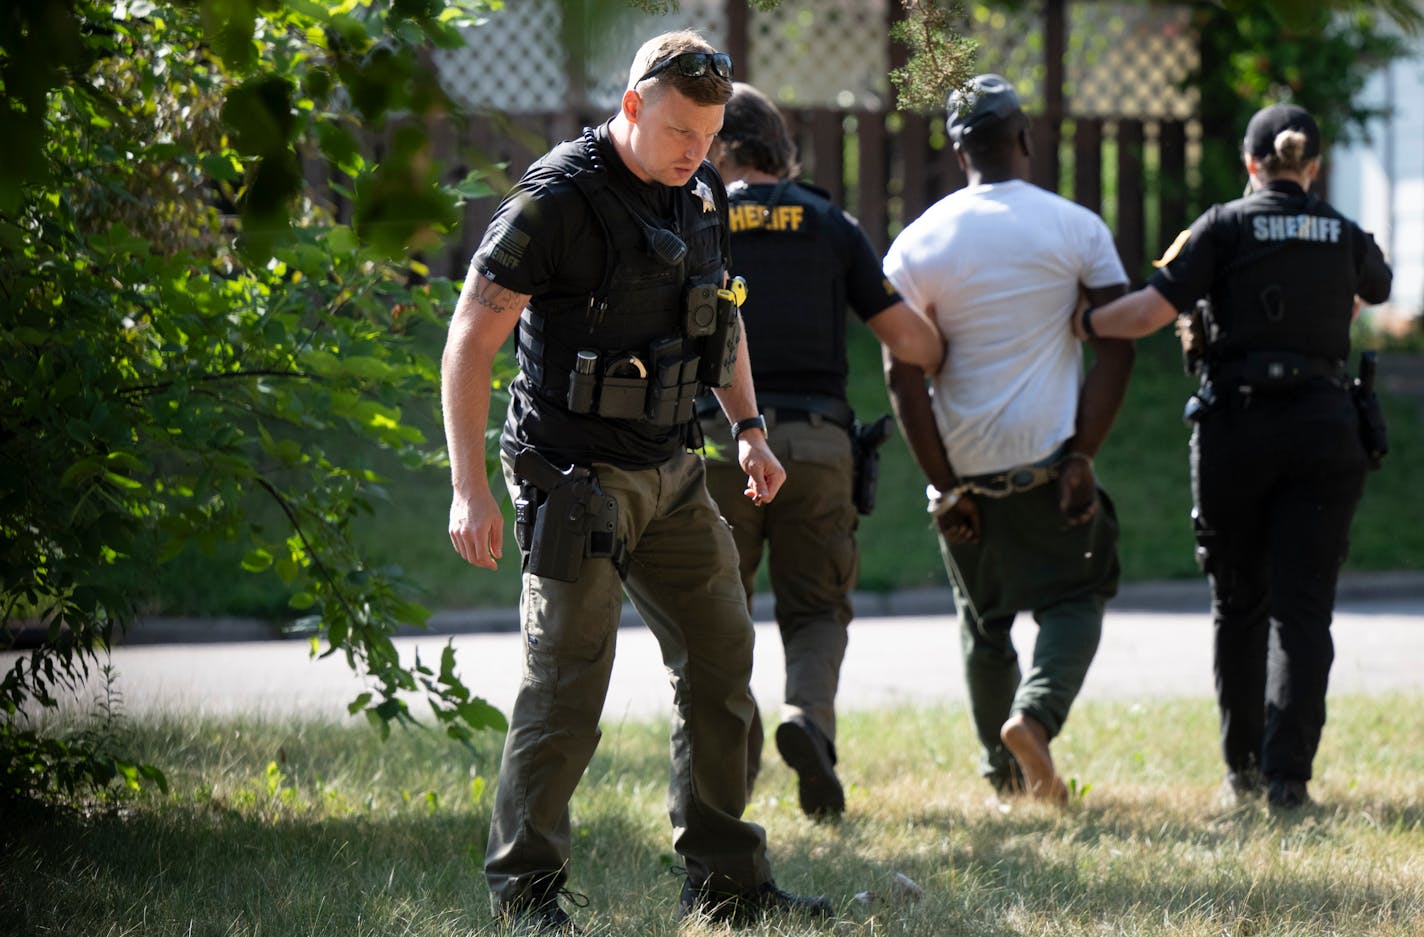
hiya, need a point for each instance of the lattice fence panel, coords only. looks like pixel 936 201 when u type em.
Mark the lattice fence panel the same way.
pixel 1129 60
pixel 1010 44
pixel 822 53
pixel 1123 59
pixel 611 54
pixel 513 61
pixel 516 60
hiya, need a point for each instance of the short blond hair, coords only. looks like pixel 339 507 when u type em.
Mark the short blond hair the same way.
pixel 706 89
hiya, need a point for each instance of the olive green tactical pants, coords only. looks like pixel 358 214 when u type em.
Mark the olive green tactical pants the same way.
pixel 808 530
pixel 682 579
pixel 1029 559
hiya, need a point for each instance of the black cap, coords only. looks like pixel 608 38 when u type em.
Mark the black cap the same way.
pixel 1269 121
pixel 987 100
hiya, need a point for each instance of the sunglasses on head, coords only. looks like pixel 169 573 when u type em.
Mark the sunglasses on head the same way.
pixel 694 65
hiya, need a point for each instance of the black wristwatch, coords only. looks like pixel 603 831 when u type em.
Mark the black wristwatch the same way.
pixel 751 422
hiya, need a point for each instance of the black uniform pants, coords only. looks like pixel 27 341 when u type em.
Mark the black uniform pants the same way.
pixel 1275 483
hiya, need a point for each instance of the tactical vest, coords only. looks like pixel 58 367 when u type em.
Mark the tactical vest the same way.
pixel 1291 285
pixel 654 331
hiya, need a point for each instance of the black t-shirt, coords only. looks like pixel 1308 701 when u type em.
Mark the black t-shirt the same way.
pixel 1282 269
pixel 804 260
pixel 545 240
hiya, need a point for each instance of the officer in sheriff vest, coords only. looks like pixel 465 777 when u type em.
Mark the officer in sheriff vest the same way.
pixel 1278 465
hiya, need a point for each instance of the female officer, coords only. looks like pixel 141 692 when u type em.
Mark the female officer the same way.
pixel 1277 462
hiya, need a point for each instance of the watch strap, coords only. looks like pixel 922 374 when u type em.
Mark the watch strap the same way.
pixel 751 422
pixel 1088 329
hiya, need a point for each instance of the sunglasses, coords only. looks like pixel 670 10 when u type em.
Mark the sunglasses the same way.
pixel 694 65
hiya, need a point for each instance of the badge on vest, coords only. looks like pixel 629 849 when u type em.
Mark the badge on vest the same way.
pixel 703 191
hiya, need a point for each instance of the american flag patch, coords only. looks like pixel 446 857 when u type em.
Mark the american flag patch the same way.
pixel 507 244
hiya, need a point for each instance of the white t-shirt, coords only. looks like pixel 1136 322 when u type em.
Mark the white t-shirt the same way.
pixel 1001 264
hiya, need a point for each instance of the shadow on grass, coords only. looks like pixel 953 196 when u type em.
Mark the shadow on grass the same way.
pixel 254 861
pixel 206 868
pixel 1091 866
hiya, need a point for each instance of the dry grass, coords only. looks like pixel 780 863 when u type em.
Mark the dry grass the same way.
pixel 302 828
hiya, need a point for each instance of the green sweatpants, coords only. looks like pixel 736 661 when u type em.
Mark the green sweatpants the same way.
pixel 1029 559
pixel 682 578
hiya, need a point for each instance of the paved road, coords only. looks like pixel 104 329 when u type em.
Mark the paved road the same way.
pixel 899 659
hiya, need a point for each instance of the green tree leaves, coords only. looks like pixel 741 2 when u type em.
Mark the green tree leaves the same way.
pixel 190 342
pixel 1259 52
pixel 940 60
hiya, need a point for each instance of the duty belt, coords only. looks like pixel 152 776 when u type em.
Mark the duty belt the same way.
pixel 1265 371
pixel 807 407
pixel 788 407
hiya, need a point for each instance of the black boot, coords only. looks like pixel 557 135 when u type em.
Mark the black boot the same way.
pixel 743 908
pixel 809 754
pixel 538 917
pixel 1286 793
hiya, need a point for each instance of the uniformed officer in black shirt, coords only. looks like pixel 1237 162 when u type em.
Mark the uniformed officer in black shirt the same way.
pixel 1278 466
pixel 805 260
pixel 610 256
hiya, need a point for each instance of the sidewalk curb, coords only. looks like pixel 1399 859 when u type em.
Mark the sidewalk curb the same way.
pixel 1176 595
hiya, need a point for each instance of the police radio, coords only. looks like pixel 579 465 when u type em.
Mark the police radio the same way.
pixel 663 244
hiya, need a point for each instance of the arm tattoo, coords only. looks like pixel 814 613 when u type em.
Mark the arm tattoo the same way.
pixel 492 296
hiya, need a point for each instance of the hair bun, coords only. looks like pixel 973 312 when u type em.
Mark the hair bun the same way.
pixel 1290 146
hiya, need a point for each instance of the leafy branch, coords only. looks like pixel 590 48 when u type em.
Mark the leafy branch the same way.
pixel 139 390
pixel 940 60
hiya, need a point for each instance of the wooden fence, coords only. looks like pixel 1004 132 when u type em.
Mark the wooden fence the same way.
pixel 887 168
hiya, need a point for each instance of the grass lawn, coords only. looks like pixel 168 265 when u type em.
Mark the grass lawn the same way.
pixel 309 828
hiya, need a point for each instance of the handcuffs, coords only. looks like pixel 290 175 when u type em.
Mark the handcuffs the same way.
pixel 940 503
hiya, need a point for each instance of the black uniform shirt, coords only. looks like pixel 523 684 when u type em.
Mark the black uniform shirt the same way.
pixel 803 259
pixel 546 241
pixel 1282 269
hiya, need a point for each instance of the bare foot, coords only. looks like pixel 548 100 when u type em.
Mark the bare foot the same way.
pixel 1027 739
